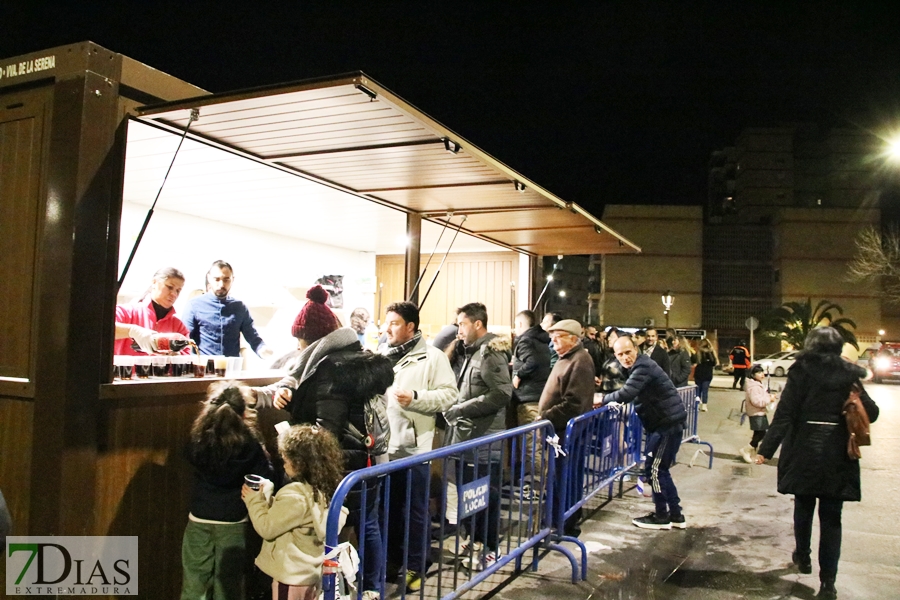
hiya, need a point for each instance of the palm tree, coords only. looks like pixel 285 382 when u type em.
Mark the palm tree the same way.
pixel 792 321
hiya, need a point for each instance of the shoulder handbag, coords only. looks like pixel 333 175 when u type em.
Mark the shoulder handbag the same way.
pixel 857 420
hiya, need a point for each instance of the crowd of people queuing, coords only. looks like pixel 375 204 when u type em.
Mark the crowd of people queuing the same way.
pixel 464 382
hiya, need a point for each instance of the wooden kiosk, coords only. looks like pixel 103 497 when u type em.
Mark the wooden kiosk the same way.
pixel 81 455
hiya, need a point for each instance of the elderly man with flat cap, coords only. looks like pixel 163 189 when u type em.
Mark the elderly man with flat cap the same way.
pixel 569 391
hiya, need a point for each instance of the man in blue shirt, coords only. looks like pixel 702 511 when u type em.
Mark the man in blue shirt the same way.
pixel 216 321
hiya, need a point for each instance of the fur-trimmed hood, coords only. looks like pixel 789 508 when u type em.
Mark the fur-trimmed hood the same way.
pixel 501 343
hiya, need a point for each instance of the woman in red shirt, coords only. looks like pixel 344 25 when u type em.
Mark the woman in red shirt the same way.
pixel 145 319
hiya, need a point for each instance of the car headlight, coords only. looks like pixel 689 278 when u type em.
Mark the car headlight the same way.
pixel 882 363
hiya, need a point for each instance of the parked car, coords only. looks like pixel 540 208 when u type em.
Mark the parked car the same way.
pixel 885 363
pixel 779 363
pixel 775 356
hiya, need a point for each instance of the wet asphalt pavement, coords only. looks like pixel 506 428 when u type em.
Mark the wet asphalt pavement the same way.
pixel 739 538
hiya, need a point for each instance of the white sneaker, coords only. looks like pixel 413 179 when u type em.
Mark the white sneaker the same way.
pixel 488 560
pixel 745 454
pixel 371 595
pixel 465 547
pixel 703 408
pixel 471 555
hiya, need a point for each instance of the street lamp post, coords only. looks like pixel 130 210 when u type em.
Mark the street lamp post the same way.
pixel 667 300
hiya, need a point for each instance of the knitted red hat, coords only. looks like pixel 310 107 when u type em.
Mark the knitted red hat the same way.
pixel 315 320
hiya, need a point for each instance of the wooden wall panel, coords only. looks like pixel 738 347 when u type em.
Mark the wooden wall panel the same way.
pixel 16 418
pixel 143 485
pixel 21 132
pixel 483 277
pixel 389 275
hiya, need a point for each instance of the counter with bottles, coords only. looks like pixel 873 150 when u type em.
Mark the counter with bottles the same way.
pixel 134 380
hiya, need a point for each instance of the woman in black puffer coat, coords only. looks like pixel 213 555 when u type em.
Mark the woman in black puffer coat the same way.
pixel 329 383
pixel 814 464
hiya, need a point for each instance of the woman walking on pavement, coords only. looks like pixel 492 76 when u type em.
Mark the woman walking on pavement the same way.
pixel 814 464
pixel 703 373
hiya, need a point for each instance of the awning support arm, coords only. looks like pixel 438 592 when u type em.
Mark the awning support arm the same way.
pixel 195 114
pixel 559 259
pixel 441 266
pixel 422 274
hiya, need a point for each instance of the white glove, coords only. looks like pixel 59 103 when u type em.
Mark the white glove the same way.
pixel 144 338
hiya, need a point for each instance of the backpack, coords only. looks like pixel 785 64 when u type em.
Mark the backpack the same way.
pixel 378 429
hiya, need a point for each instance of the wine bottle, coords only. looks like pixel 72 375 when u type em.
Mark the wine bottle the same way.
pixel 164 344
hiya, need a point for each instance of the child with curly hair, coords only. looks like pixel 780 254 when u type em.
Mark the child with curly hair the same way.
pixel 224 446
pixel 293 524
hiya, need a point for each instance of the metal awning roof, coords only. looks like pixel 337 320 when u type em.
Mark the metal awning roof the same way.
pixel 350 133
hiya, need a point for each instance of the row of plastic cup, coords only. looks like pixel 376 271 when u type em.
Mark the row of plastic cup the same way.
pixel 180 365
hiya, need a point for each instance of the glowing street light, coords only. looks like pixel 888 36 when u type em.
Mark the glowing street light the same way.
pixel 893 149
pixel 667 300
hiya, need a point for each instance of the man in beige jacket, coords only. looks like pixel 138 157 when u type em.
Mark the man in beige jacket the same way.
pixel 424 385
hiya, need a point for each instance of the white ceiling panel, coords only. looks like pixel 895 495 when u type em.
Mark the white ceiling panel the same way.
pixel 218 185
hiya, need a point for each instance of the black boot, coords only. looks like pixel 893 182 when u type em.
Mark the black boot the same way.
pixel 827 591
pixel 803 562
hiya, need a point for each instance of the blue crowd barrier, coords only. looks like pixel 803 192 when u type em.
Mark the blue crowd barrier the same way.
pixel 690 397
pixel 600 447
pixel 489 474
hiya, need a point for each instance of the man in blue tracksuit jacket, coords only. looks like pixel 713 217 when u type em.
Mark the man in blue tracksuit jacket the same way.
pixel 663 416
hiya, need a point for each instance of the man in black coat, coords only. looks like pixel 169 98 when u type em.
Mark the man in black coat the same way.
pixel 592 345
pixel 663 416
pixel 531 368
pixel 657 352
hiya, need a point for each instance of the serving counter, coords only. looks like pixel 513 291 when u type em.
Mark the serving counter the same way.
pixel 143 483
pixel 142 389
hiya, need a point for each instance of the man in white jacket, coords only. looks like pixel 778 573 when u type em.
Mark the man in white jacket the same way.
pixel 424 385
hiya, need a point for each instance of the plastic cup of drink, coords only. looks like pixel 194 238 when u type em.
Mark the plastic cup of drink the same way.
pixel 200 363
pixel 124 366
pixel 177 365
pixel 235 366
pixel 221 364
pixel 142 367
pixel 160 366
pixel 253 481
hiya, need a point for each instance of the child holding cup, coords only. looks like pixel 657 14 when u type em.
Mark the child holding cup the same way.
pixel 225 445
pixel 292 524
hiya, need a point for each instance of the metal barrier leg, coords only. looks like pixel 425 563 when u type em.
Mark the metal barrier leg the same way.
pixel 700 451
pixel 568 554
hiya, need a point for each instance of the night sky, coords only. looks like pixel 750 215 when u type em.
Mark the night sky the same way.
pixel 600 102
